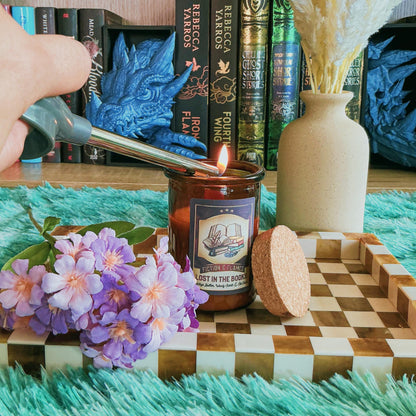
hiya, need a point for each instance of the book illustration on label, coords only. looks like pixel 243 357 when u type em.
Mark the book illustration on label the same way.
pixel 222 239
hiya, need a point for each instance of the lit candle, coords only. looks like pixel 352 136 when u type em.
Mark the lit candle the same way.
pixel 213 221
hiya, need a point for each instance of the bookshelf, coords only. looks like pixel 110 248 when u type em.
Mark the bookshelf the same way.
pixel 134 12
pixel 155 12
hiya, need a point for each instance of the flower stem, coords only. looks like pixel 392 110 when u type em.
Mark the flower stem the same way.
pixel 34 222
pixel 42 232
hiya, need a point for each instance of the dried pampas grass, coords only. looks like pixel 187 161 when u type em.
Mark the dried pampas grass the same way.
pixel 333 32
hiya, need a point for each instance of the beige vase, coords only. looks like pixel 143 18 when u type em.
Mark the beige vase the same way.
pixel 322 168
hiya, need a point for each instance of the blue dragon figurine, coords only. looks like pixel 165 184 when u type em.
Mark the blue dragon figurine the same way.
pixel 137 96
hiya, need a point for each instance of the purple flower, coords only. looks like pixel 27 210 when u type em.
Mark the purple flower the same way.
pixel 163 329
pixel 158 291
pixel 121 337
pixel 113 297
pixel 47 318
pixel 72 285
pixel 112 254
pixel 74 247
pixel 21 289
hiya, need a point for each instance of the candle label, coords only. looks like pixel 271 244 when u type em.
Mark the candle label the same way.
pixel 221 233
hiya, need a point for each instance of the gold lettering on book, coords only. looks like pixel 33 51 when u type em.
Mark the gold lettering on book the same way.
pixel 191 26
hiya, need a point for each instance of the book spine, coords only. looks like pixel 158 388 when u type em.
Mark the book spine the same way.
pixel 252 92
pixel 46 25
pixel 8 8
pixel 67 25
pixel 91 22
pixel 192 47
pixel 45 20
pixel 353 82
pixel 223 77
pixel 284 73
pixel 25 16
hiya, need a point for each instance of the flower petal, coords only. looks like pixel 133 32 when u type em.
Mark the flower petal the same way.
pixel 186 280
pixel 58 323
pixel 80 302
pixel 53 282
pixel 64 264
pixel 160 310
pixel 99 334
pixel 24 309
pixel 154 343
pixel 113 349
pixel 7 279
pixel 85 265
pixel 88 238
pixel 8 299
pixel 93 283
pixel 64 246
pixel 168 276
pixel 20 266
pixel 44 315
pixel 36 295
pixel 61 299
pixel 141 310
pixel 106 232
pixel 36 273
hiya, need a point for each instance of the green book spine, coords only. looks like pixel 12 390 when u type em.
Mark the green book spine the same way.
pixel 353 83
pixel 223 77
pixel 284 64
pixel 252 91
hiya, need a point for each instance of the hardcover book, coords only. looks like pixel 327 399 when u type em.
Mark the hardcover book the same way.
pixel 283 77
pixel 223 77
pixel 46 25
pixel 8 8
pixel 252 92
pixel 192 48
pixel 353 82
pixel 67 24
pixel 25 16
pixel 91 22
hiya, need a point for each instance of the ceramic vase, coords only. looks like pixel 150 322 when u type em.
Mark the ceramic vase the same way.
pixel 322 168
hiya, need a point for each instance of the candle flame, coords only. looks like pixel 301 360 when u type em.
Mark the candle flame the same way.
pixel 223 160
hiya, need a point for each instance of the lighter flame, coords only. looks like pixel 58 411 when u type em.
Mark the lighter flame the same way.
pixel 223 160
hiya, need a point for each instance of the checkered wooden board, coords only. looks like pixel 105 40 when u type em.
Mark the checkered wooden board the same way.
pixel 362 317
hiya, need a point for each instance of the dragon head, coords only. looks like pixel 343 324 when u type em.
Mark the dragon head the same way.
pixel 137 94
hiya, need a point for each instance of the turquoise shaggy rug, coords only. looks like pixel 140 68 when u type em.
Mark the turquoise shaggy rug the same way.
pixel 391 216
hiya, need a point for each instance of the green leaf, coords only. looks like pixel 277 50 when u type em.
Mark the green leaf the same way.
pixel 138 235
pixel 37 254
pixel 119 227
pixel 49 224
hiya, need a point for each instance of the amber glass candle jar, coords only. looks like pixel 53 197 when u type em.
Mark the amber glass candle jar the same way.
pixel 213 221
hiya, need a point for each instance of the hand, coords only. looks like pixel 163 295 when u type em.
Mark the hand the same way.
pixel 33 67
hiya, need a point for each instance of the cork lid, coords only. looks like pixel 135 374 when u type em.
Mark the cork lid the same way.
pixel 280 272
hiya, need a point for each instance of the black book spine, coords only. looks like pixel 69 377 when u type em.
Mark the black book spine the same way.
pixel 67 24
pixel 192 47
pixel 223 77
pixel 91 22
pixel 46 25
